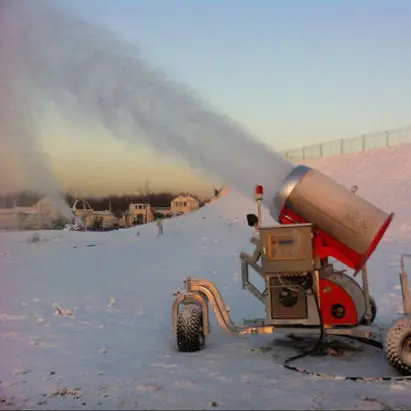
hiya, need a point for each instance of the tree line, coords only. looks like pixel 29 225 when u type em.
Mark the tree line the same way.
pixel 117 203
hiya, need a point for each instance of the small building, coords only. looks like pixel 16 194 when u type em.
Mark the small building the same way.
pixel 122 221
pixel 40 216
pixel 184 204
pixel 82 209
pixel 86 216
pixel 104 220
pixel 162 212
pixel 92 219
pixel 139 213
pixel 25 218
pixel 30 218
pixel 8 219
pixel 47 207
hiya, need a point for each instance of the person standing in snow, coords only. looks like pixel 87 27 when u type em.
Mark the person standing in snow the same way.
pixel 160 226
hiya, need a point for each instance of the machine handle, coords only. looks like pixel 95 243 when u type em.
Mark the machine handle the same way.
pixel 403 257
pixel 406 299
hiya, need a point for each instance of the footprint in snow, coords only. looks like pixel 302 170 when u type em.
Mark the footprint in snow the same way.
pixel 187 384
pixel 218 377
pixel 166 366
pixel 41 344
pixel 149 388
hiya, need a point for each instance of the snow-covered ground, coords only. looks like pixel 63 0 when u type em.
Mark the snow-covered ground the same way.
pixel 85 318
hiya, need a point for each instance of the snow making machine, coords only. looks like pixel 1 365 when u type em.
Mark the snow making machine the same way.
pixel 319 220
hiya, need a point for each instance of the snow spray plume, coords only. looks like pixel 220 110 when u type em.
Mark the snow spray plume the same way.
pixel 19 129
pixel 88 71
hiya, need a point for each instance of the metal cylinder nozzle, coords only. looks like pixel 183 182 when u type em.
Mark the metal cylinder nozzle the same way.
pixel 310 196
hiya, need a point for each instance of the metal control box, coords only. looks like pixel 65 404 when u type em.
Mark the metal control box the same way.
pixel 287 249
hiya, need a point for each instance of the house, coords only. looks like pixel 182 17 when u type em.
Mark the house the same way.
pixel 48 212
pixel 8 219
pixel 82 209
pixel 104 220
pixel 95 220
pixel 162 212
pixel 47 207
pixel 30 218
pixel 184 204
pixel 40 216
pixel 22 218
pixel 139 213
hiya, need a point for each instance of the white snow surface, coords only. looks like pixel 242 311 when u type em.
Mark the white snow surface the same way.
pixel 85 318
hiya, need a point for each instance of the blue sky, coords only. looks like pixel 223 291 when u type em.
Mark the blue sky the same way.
pixel 294 72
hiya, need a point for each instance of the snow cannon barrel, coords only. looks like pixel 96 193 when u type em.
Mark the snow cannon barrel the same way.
pixel 347 227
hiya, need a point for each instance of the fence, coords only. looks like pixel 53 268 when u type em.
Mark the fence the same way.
pixel 364 142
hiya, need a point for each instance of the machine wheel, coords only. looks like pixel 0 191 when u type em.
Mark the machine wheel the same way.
pixel 397 345
pixel 373 313
pixel 189 329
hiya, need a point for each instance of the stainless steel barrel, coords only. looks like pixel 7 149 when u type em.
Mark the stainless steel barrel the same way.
pixel 343 215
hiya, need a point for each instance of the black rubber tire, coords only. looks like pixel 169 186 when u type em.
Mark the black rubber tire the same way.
pixel 189 329
pixel 373 313
pixel 397 345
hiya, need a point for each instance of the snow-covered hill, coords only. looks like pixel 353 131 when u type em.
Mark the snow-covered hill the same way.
pixel 85 318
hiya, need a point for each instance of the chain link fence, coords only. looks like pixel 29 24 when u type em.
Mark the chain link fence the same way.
pixel 364 142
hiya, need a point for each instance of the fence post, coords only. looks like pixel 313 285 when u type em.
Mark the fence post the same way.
pixel 292 154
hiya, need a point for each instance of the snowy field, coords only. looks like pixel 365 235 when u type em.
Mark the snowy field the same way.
pixel 85 318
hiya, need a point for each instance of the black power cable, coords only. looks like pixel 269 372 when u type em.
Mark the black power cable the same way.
pixel 317 345
pixel 312 350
